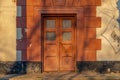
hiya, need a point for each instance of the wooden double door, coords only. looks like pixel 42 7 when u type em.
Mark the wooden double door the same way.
pixel 59 43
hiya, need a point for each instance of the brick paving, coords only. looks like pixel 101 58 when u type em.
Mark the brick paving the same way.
pixel 89 75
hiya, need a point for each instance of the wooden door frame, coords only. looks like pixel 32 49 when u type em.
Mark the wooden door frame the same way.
pixel 79 31
pixel 58 15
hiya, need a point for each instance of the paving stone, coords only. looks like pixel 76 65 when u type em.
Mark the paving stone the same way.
pixel 65 76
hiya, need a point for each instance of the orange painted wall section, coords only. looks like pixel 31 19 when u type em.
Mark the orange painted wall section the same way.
pixel 30 22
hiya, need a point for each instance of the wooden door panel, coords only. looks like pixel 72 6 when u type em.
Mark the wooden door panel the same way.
pixel 51 50
pixel 66 50
pixel 51 58
pixel 67 63
pixel 59 43
pixel 67 60
pixel 67 56
pixel 51 63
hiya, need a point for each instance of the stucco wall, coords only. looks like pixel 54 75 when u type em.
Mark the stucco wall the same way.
pixel 7 30
pixel 109 31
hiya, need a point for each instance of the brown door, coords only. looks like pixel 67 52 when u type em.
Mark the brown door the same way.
pixel 59 43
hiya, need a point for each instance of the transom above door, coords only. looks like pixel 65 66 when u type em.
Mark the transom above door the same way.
pixel 59 43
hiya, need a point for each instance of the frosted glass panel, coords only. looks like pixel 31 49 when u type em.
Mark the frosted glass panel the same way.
pixel 50 36
pixel 67 36
pixel 66 23
pixel 50 23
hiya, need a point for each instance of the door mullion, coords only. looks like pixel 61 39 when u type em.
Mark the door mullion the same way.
pixel 60 41
pixel 59 32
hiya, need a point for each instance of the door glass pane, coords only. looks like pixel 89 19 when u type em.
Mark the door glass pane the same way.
pixel 50 36
pixel 66 36
pixel 50 24
pixel 66 23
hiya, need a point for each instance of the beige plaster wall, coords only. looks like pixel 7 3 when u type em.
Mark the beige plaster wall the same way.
pixel 7 30
pixel 109 31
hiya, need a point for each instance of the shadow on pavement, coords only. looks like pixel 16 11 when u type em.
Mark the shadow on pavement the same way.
pixel 8 77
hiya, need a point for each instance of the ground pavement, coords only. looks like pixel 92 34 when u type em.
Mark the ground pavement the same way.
pixel 87 75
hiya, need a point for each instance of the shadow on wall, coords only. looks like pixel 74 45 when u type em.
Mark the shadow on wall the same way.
pixel 25 66
pixel 106 66
pixel 31 36
pixel 12 67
